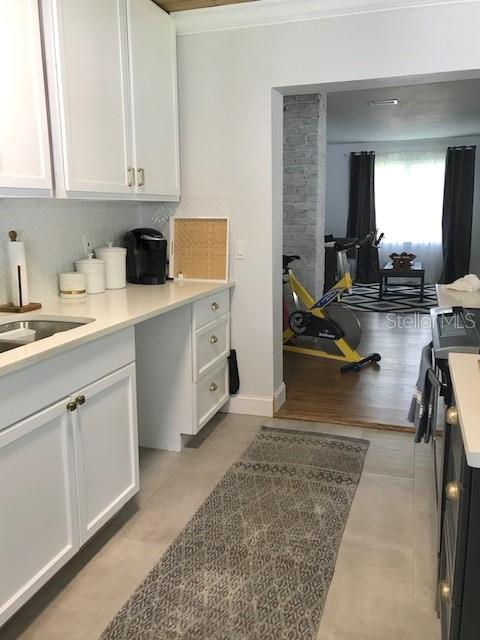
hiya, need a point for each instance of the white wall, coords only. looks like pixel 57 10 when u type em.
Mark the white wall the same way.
pixel 225 99
pixel 338 181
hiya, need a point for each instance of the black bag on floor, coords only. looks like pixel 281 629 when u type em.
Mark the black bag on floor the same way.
pixel 233 376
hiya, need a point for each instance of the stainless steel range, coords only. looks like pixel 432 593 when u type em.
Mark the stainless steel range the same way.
pixel 455 329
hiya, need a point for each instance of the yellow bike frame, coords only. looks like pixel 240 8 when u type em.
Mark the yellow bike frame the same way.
pixel 345 352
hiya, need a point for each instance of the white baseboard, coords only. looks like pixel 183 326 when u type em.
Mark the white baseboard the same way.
pixel 279 397
pixel 250 405
pixel 257 405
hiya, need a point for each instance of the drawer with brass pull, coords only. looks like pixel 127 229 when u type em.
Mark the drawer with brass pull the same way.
pixel 211 394
pixel 452 491
pixel 455 496
pixel 211 345
pixel 210 308
pixel 444 591
pixel 451 416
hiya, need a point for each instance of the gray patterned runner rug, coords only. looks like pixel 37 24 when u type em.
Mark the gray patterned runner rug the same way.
pixel 256 560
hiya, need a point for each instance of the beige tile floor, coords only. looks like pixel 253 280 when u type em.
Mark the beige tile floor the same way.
pixel 383 587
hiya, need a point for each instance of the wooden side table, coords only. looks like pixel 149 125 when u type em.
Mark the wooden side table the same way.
pixel 416 272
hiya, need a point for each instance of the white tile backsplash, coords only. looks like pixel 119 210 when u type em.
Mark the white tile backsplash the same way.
pixel 53 234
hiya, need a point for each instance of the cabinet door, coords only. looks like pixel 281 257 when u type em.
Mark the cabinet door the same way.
pixel 38 531
pixel 153 78
pixel 93 103
pixel 24 143
pixel 106 448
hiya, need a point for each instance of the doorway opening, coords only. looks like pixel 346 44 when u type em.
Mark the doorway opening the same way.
pixel 376 151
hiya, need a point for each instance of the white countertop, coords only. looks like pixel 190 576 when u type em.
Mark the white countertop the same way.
pixel 452 298
pixel 465 374
pixel 112 311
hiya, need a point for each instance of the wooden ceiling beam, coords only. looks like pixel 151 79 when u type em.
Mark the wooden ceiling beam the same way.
pixel 184 5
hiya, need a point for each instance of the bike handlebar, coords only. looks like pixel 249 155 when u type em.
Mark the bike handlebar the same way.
pixel 344 244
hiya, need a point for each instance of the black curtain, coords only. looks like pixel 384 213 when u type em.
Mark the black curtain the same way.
pixel 457 212
pixel 361 212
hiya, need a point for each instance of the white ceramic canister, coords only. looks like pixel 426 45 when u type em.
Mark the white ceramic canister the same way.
pixel 115 265
pixel 94 270
pixel 72 285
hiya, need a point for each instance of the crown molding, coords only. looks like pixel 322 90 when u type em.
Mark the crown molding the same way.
pixel 270 12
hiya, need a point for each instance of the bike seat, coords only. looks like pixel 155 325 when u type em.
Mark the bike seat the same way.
pixel 288 259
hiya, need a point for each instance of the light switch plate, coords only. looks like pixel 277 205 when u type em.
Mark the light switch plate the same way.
pixel 240 250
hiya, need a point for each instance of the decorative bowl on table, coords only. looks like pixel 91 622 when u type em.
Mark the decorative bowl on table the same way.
pixel 402 260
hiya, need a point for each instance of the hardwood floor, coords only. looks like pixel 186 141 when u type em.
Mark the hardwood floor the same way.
pixel 379 395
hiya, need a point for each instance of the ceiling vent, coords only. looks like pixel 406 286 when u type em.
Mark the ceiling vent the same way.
pixel 382 103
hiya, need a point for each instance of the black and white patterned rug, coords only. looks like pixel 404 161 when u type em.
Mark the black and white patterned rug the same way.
pixel 257 558
pixel 397 299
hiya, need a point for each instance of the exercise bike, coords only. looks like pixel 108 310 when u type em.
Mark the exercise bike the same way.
pixel 324 328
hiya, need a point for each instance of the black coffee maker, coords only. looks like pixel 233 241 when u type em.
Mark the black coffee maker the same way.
pixel 146 256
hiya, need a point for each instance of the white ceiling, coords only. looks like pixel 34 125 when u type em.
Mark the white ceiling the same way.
pixel 440 110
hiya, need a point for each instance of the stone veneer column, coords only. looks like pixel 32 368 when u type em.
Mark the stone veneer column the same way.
pixel 304 175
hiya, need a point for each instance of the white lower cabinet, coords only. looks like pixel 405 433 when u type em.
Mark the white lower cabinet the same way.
pixel 211 394
pixel 106 448
pixel 210 309
pixel 38 509
pixel 64 472
pixel 211 346
pixel 183 376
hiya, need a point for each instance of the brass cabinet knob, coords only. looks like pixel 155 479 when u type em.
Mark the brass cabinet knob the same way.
pixel 213 339
pixel 71 406
pixel 444 591
pixel 80 400
pixel 213 387
pixel 215 306
pixel 451 416
pixel 452 491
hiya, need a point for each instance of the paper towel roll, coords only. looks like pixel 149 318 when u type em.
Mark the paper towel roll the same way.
pixel 18 264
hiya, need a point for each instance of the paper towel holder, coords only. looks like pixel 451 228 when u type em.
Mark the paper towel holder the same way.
pixel 10 307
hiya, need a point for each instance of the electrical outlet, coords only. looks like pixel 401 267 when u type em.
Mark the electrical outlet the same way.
pixel 240 250
pixel 87 244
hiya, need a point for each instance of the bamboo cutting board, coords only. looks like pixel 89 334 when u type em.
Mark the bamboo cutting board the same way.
pixel 199 248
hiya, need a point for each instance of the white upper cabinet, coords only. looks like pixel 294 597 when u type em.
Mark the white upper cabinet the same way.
pixel 91 105
pixel 113 99
pixel 152 53
pixel 24 145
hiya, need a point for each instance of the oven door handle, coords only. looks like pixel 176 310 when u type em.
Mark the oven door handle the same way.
pixel 433 403
pixel 434 379
pixel 432 426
